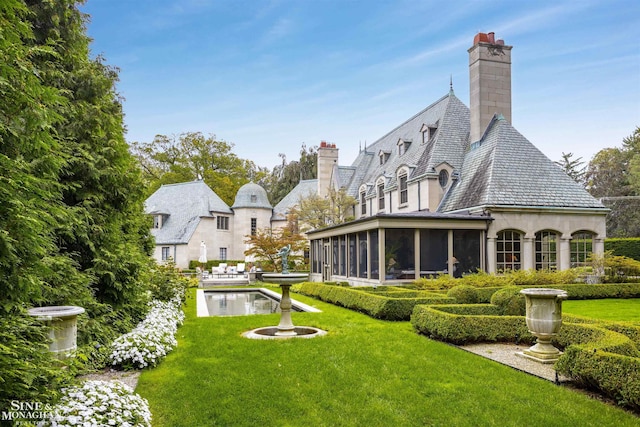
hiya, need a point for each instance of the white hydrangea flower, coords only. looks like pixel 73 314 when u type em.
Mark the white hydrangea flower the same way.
pixel 151 339
pixel 108 400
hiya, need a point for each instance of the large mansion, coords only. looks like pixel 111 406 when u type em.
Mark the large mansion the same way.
pixel 453 189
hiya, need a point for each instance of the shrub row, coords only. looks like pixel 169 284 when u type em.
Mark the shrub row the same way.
pixel 615 375
pixel 596 291
pixel 604 356
pixel 378 306
pixel 464 324
pixel 629 247
pixel 598 354
pixel 508 278
pixel 466 294
pixel 403 293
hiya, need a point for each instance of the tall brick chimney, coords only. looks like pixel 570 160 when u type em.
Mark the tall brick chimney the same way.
pixel 490 82
pixel 327 159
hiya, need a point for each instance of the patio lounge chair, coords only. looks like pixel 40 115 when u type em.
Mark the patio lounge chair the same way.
pixel 222 268
pixel 241 268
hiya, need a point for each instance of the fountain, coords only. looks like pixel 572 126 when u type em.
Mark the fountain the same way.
pixel 285 328
pixel 544 319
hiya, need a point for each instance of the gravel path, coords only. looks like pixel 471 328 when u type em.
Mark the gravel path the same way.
pixel 129 378
pixel 505 353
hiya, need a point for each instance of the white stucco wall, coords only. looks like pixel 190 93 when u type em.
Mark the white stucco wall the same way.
pixel 530 221
pixel 242 227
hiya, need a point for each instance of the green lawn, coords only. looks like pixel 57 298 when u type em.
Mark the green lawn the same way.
pixel 606 309
pixel 365 372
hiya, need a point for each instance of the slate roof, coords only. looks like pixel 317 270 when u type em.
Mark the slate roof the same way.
pixel 505 169
pixel 448 114
pixel 302 190
pixel 251 195
pixel 183 205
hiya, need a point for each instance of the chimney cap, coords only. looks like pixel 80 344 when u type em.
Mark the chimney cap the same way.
pixel 486 38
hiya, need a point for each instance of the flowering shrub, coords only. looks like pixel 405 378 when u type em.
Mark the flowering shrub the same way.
pixel 152 339
pixel 100 403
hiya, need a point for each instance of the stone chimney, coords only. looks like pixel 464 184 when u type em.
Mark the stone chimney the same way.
pixel 490 82
pixel 327 159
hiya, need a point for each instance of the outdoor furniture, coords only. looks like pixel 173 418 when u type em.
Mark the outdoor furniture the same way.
pixel 241 268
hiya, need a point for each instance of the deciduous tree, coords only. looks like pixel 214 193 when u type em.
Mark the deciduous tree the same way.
pixel 315 212
pixel 266 242
pixel 611 177
pixel 192 155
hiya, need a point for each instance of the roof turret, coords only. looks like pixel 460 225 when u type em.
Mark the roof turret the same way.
pixel 251 195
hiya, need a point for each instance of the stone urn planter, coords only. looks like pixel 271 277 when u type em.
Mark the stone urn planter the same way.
pixel 544 319
pixel 63 327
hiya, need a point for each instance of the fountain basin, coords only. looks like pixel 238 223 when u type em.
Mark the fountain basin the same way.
pixel 273 333
pixel 63 327
pixel 285 278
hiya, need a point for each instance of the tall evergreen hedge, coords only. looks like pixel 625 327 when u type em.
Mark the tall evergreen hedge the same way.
pixel 629 247
pixel 72 228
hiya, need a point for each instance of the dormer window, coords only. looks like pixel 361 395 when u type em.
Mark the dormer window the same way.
pixel 443 178
pixel 254 198
pixel 363 203
pixel 157 221
pixel 428 132
pixel 403 146
pixel 432 132
pixel 384 156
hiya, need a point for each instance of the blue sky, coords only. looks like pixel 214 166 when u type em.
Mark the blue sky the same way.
pixel 268 76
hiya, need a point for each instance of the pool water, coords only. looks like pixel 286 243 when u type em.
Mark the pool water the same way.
pixel 240 303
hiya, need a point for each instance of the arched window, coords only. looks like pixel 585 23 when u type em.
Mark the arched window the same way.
pixel 508 250
pixel 546 250
pixel 581 248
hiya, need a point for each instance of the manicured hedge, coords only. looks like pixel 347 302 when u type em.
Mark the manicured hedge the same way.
pixel 629 247
pixel 404 294
pixel 464 294
pixel 579 291
pixel 615 375
pixel 605 356
pixel 599 354
pixel 465 324
pixel 378 306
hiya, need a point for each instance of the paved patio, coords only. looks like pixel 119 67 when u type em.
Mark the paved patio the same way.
pixel 225 280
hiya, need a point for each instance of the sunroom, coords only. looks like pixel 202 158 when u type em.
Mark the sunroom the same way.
pixel 398 248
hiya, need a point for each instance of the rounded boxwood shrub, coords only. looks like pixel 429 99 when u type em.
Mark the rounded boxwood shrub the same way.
pixel 464 294
pixel 510 301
